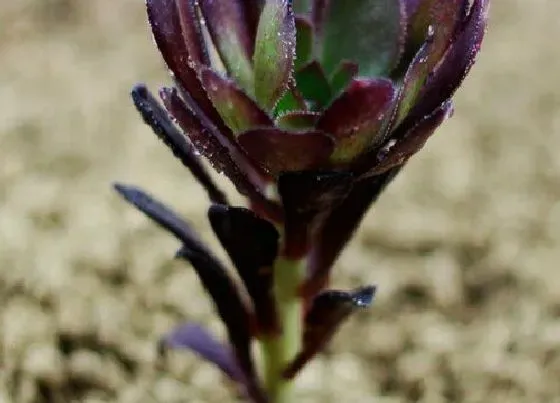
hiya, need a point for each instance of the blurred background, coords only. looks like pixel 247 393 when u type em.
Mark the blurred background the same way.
pixel 464 246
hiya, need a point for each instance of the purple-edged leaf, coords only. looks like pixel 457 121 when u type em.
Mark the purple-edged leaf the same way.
pixel 168 34
pixel 226 22
pixel 238 111
pixel 275 48
pixel 342 76
pixel 192 32
pixel 358 116
pixel 410 7
pixel 297 120
pixel 397 151
pixel 455 65
pixel 292 100
pixel 368 32
pixel 414 81
pixel 313 84
pixel 279 151
pixel 307 197
pixel 440 16
pixel 252 244
pixel 304 42
pixel 197 339
pixel 328 312
pixel 158 119
pixel 337 229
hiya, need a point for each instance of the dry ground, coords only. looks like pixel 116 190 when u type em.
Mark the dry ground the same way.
pixel 464 246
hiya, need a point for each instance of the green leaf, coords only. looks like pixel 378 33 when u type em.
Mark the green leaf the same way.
pixel 274 52
pixel 368 32
pixel 304 42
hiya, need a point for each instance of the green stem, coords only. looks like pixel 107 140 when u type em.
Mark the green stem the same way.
pixel 280 350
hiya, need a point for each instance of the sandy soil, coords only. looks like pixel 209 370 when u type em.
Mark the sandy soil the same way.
pixel 463 246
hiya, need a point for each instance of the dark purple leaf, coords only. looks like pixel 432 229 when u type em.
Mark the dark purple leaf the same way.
pixel 455 65
pixel 217 149
pixel 397 151
pixel 368 32
pixel 227 24
pixel 275 49
pixel 196 338
pixel 237 110
pixel 278 150
pixel 168 34
pixel 313 84
pixel 357 117
pixel 252 244
pixel 337 229
pixel 328 312
pixel 297 120
pixel 440 19
pixel 157 118
pixel 307 197
pixel 192 32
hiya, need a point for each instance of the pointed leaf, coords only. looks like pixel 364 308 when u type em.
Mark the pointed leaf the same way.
pixel 438 16
pixel 357 117
pixel 304 42
pixel 291 100
pixel 337 229
pixel 227 25
pixel 328 312
pixel 237 110
pixel 297 120
pixel 307 197
pixel 196 338
pixel 278 150
pixel 157 118
pixel 168 34
pixel 367 32
pixel 397 151
pixel 274 52
pixel 252 244
pixel 192 32
pixel 455 65
pixel 314 85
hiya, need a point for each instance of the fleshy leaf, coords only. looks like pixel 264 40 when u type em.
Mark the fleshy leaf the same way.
pixel 212 274
pixel 440 16
pixel 274 52
pixel 328 312
pixel 192 32
pixel 367 32
pixel 343 76
pixel 227 25
pixel 304 42
pixel 278 150
pixel 313 84
pixel 356 118
pixel 414 80
pixel 337 229
pixel 158 119
pixel 168 35
pixel 297 120
pixel 455 65
pixel 252 244
pixel 398 151
pixel 237 110
pixel 307 197
pixel 196 338
pixel 291 100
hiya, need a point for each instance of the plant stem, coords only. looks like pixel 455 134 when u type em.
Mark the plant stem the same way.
pixel 281 349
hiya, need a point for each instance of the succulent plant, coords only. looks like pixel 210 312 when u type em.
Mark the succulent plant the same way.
pixel 310 108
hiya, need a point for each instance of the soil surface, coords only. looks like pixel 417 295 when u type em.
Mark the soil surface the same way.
pixel 464 246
